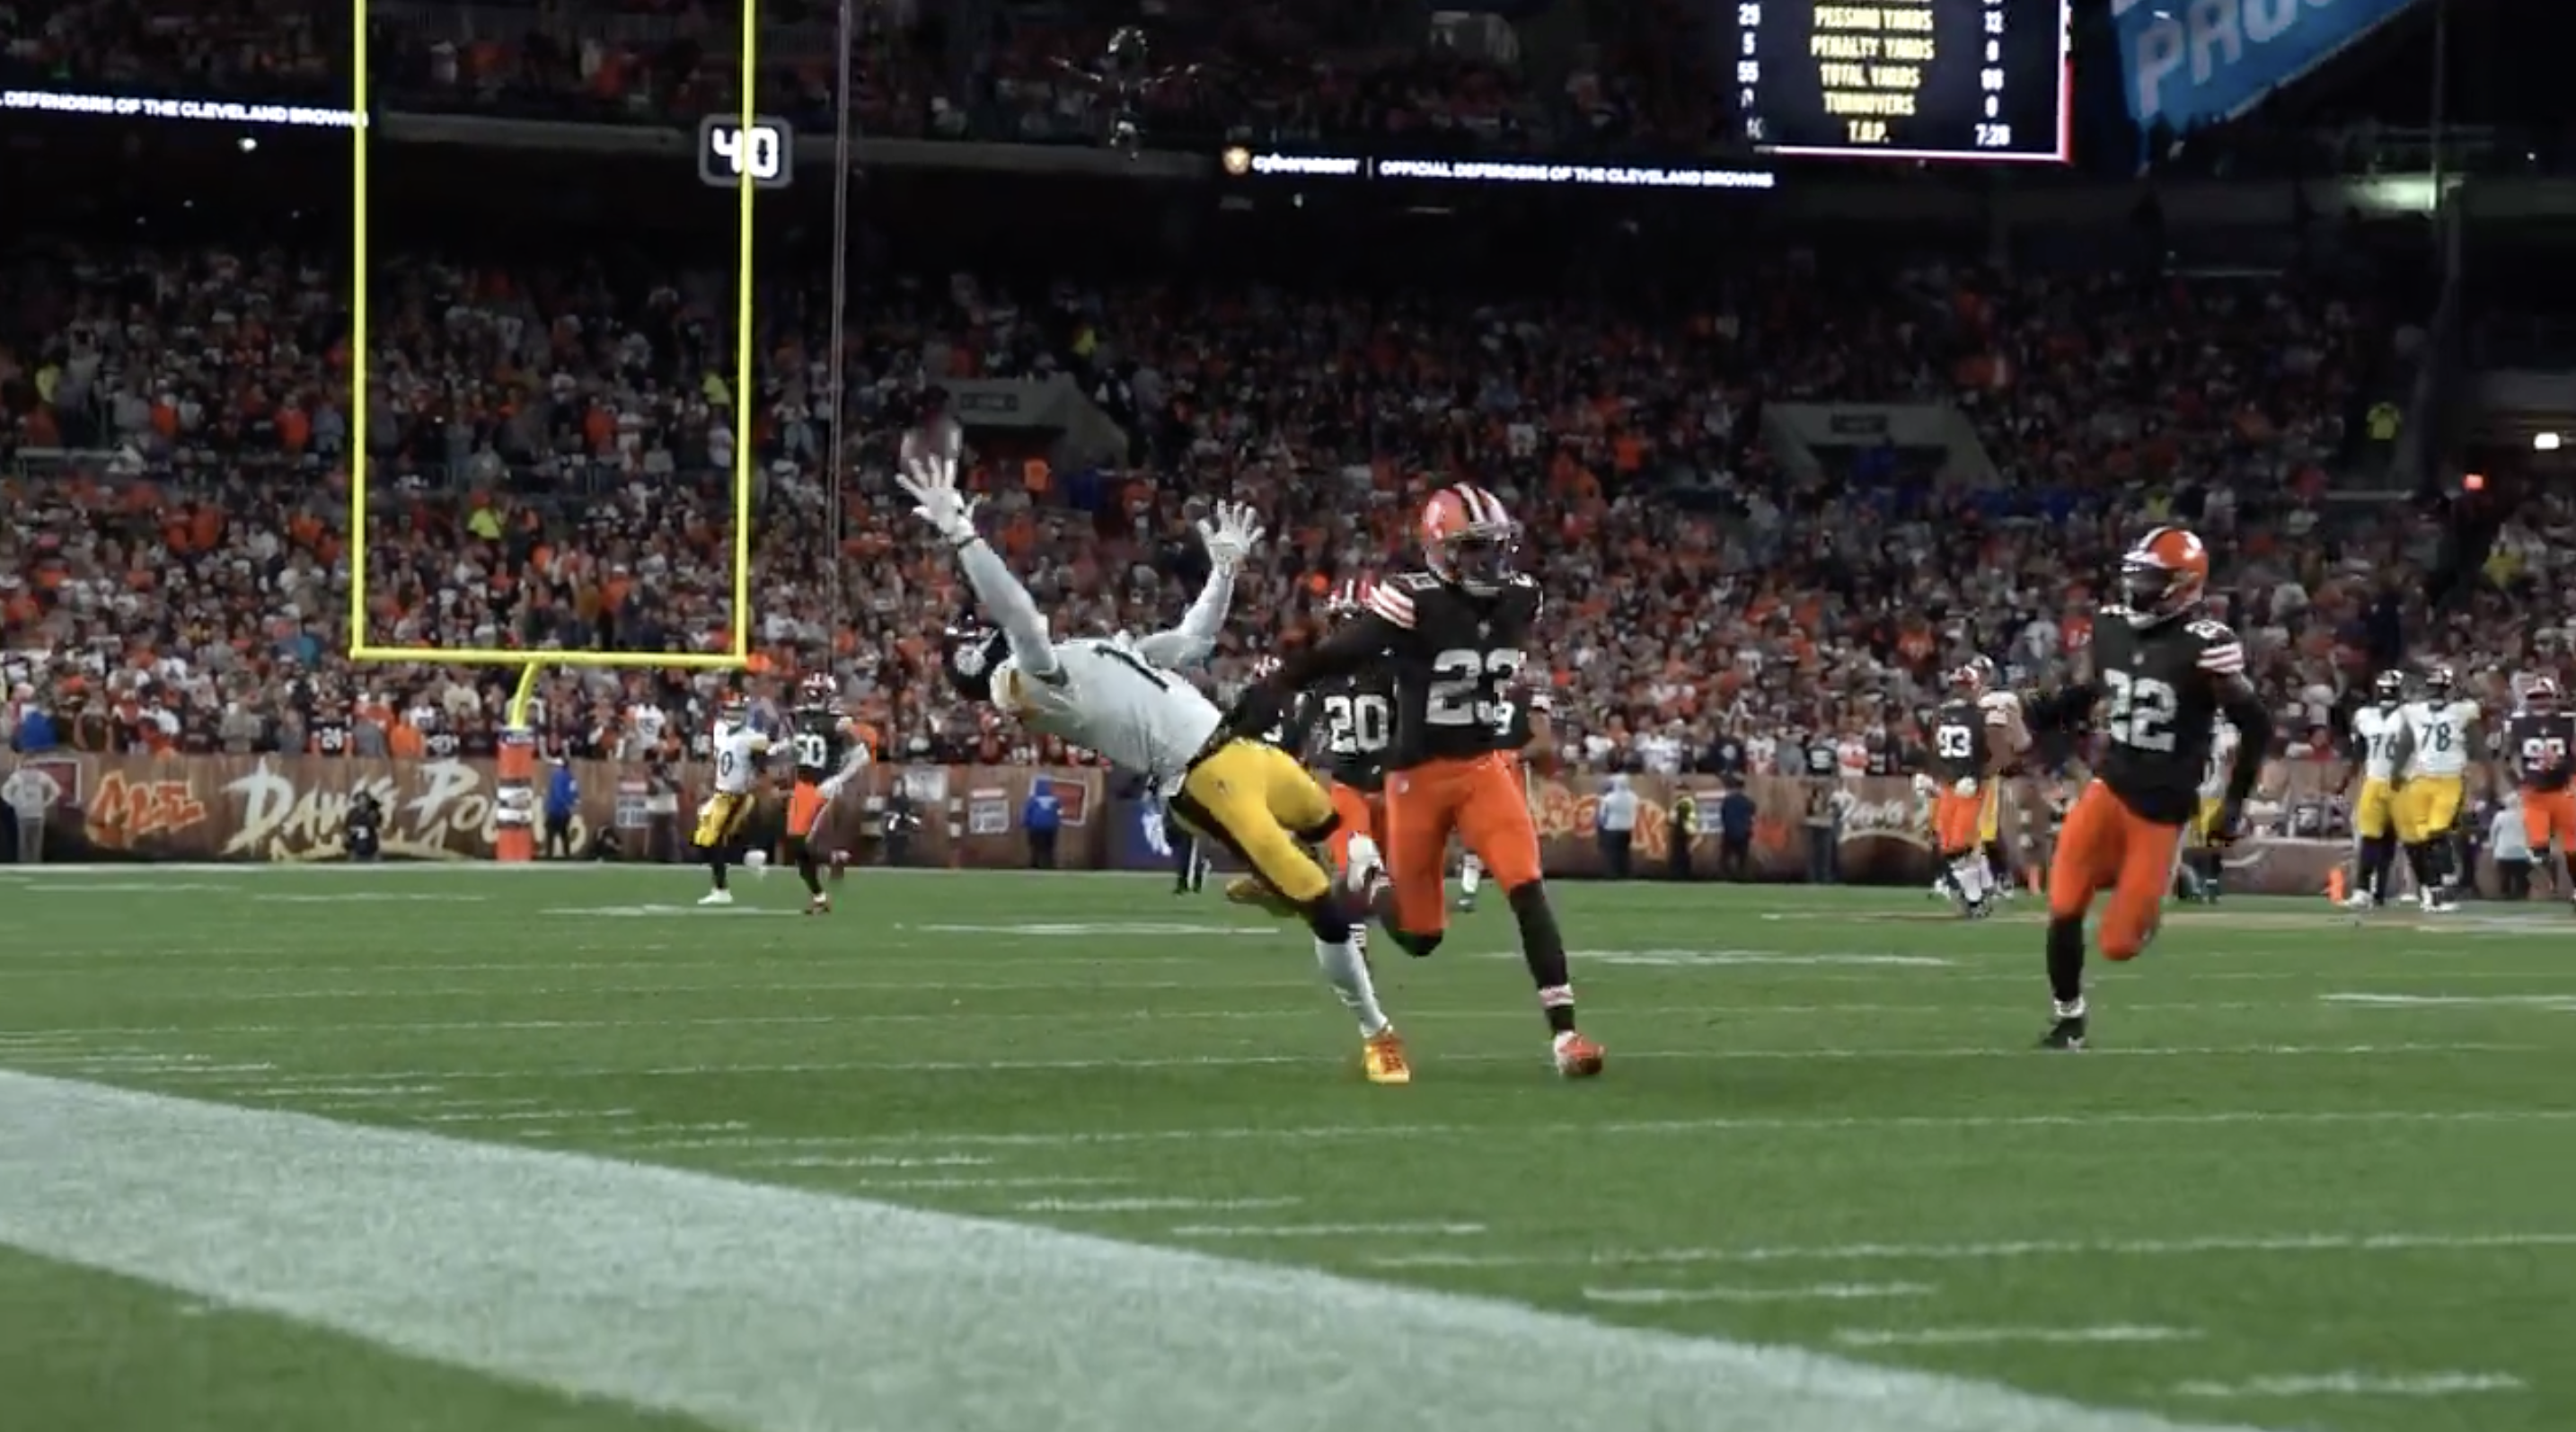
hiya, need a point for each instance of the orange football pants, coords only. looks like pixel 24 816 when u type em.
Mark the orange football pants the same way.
pixel 1362 813
pixel 2105 846
pixel 1485 803
pixel 2548 816
pixel 1955 821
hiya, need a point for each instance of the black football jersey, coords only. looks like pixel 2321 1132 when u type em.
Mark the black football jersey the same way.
pixel 818 735
pixel 441 745
pixel 331 738
pixel 2161 698
pixel 1347 725
pixel 1453 660
pixel 1959 745
pixel 2540 745
pixel 1522 709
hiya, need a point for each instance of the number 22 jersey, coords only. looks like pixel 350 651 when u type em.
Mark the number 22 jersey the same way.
pixel 2161 688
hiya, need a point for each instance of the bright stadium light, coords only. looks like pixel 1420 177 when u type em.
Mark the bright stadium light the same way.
pixel 2544 442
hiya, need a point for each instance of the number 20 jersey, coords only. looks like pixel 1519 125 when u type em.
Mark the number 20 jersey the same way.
pixel 2160 693
pixel 1454 660
pixel 1347 726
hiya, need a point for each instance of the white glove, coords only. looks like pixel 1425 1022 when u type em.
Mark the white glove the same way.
pixel 931 482
pixel 1923 785
pixel 830 790
pixel 1967 786
pixel 1231 538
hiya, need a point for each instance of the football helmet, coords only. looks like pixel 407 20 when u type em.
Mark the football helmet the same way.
pixel 1973 677
pixel 1468 538
pixel 818 689
pixel 2389 687
pixel 2540 696
pixel 2439 682
pixel 969 651
pixel 2165 575
pixel 732 708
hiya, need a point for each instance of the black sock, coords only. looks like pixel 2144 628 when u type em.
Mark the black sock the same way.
pixel 716 864
pixel 2213 866
pixel 2419 859
pixel 809 868
pixel 2001 863
pixel 2066 960
pixel 2378 858
pixel 1543 946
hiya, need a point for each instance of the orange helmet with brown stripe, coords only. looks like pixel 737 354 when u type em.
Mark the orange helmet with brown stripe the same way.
pixel 1468 538
pixel 2165 575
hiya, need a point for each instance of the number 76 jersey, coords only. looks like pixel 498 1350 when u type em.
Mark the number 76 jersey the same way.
pixel 1455 659
pixel 2162 690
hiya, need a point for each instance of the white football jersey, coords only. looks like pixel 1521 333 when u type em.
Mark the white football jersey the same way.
pixel 1106 698
pixel 2441 736
pixel 737 750
pixel 2222 758
pixel 2376 728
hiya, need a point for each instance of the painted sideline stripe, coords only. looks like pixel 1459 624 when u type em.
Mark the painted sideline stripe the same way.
pixel 2358 1384
pixel 1981 1252
pixel 1150 1205
pixel 1982 1337
pixel 738 1303
pixel 1813 1293
pixel 1235 1061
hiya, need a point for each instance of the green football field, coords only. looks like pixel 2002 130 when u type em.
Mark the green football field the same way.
pixel 296 1150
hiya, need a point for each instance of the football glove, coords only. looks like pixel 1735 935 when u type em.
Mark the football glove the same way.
pixel 1924 785
pixel 1964 787
pixel 1232 536
pixel 931 482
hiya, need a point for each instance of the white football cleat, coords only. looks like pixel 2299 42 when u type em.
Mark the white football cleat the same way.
pixel 716 897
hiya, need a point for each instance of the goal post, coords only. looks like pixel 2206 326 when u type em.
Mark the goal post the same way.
pixel 514 805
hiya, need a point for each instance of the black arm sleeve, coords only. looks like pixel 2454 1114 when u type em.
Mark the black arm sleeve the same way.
pixel 1299 728
pixel 2064 709
pixel 2253 741
pixel 1354 645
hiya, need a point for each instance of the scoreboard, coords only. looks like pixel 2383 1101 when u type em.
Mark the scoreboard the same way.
pixel 1905 79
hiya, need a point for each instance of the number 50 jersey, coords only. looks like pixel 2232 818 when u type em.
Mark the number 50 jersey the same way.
pixel 2161 694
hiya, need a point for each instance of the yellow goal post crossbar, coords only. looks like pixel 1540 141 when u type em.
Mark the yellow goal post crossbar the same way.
pixel 531 662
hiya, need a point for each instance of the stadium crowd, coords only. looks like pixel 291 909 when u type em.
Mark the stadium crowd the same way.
pixel 1284 71
pixel 551 448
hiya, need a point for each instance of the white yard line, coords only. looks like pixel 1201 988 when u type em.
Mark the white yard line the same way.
pixel 1151 1205
pixel 1812 1293
pixel 1985 1337
pixel 1616 1128
pixel 2551 1003
pixel 526 1116
pixel 738 1304
pixel 1247 1061
pixel 1992 1252
pixel 952 1017
pixel 2358 1384
pixel 1327 1230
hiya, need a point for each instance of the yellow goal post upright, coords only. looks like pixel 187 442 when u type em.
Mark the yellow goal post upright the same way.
pixel 513 804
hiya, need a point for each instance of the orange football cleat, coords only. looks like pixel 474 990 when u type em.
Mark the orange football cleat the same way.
pixel 1578 1057
pixel 1383 1059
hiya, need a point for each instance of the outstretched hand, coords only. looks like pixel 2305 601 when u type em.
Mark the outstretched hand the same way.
pixel 931 482
pixel 1233 534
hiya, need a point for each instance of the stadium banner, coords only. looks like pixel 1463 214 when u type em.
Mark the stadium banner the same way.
pixel 2190 64
pixel 294 809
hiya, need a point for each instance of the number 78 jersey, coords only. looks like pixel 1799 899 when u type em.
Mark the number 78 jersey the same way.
pixel 2162 691
pixel 1455 660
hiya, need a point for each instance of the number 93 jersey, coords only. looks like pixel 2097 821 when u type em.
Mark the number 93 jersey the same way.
pixel 2162 689
pixel 1455 658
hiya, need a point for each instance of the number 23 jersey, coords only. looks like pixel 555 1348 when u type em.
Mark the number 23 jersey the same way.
pixel 1456 659
pixel 2162 689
